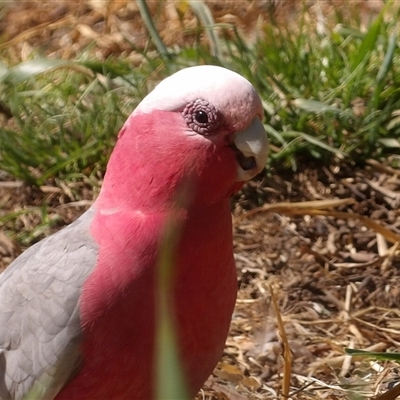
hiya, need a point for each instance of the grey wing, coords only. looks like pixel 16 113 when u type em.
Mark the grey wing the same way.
pixel 39 313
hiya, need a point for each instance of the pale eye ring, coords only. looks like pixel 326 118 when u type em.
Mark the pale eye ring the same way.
pixel 202 117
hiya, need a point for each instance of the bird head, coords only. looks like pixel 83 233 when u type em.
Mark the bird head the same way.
pixel 201 124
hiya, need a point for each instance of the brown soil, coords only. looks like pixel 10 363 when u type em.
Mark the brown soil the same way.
pixel 333 271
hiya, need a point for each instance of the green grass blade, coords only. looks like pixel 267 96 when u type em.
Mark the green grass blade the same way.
pixel 170 378
pixel 368 43
pixel 203 12
pixel 388 59
pixel 314 106
pixel 316 142
pixel 148 20
pixel 32 68
pixel 376 355
pixel 275 134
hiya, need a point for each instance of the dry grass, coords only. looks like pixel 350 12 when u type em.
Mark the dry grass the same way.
pixel 67 29
pixel 334 278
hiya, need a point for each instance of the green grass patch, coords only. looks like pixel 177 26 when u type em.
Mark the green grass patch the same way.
pixel 330 91
pixel 64 120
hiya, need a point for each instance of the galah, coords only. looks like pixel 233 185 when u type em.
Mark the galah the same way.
pixel 77 309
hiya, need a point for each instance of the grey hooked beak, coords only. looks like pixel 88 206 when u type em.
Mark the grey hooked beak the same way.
pixel 251 148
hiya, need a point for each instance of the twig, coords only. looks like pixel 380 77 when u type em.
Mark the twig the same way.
pixel 287 355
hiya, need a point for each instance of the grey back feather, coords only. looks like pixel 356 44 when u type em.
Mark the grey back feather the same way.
pixel 40 328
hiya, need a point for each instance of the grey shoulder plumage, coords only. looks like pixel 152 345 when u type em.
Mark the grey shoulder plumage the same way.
pixel 39 313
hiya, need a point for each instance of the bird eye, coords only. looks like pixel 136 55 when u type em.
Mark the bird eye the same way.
pixel 202 117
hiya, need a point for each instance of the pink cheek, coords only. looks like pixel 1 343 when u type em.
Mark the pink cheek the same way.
pixel 236 187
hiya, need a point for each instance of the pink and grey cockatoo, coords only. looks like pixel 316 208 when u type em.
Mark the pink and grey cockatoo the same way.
pixel 77 310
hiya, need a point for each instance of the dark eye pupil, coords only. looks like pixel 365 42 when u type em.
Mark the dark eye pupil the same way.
pixel 201 117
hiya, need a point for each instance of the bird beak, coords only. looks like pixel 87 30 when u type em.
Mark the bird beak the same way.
pixel 251 149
